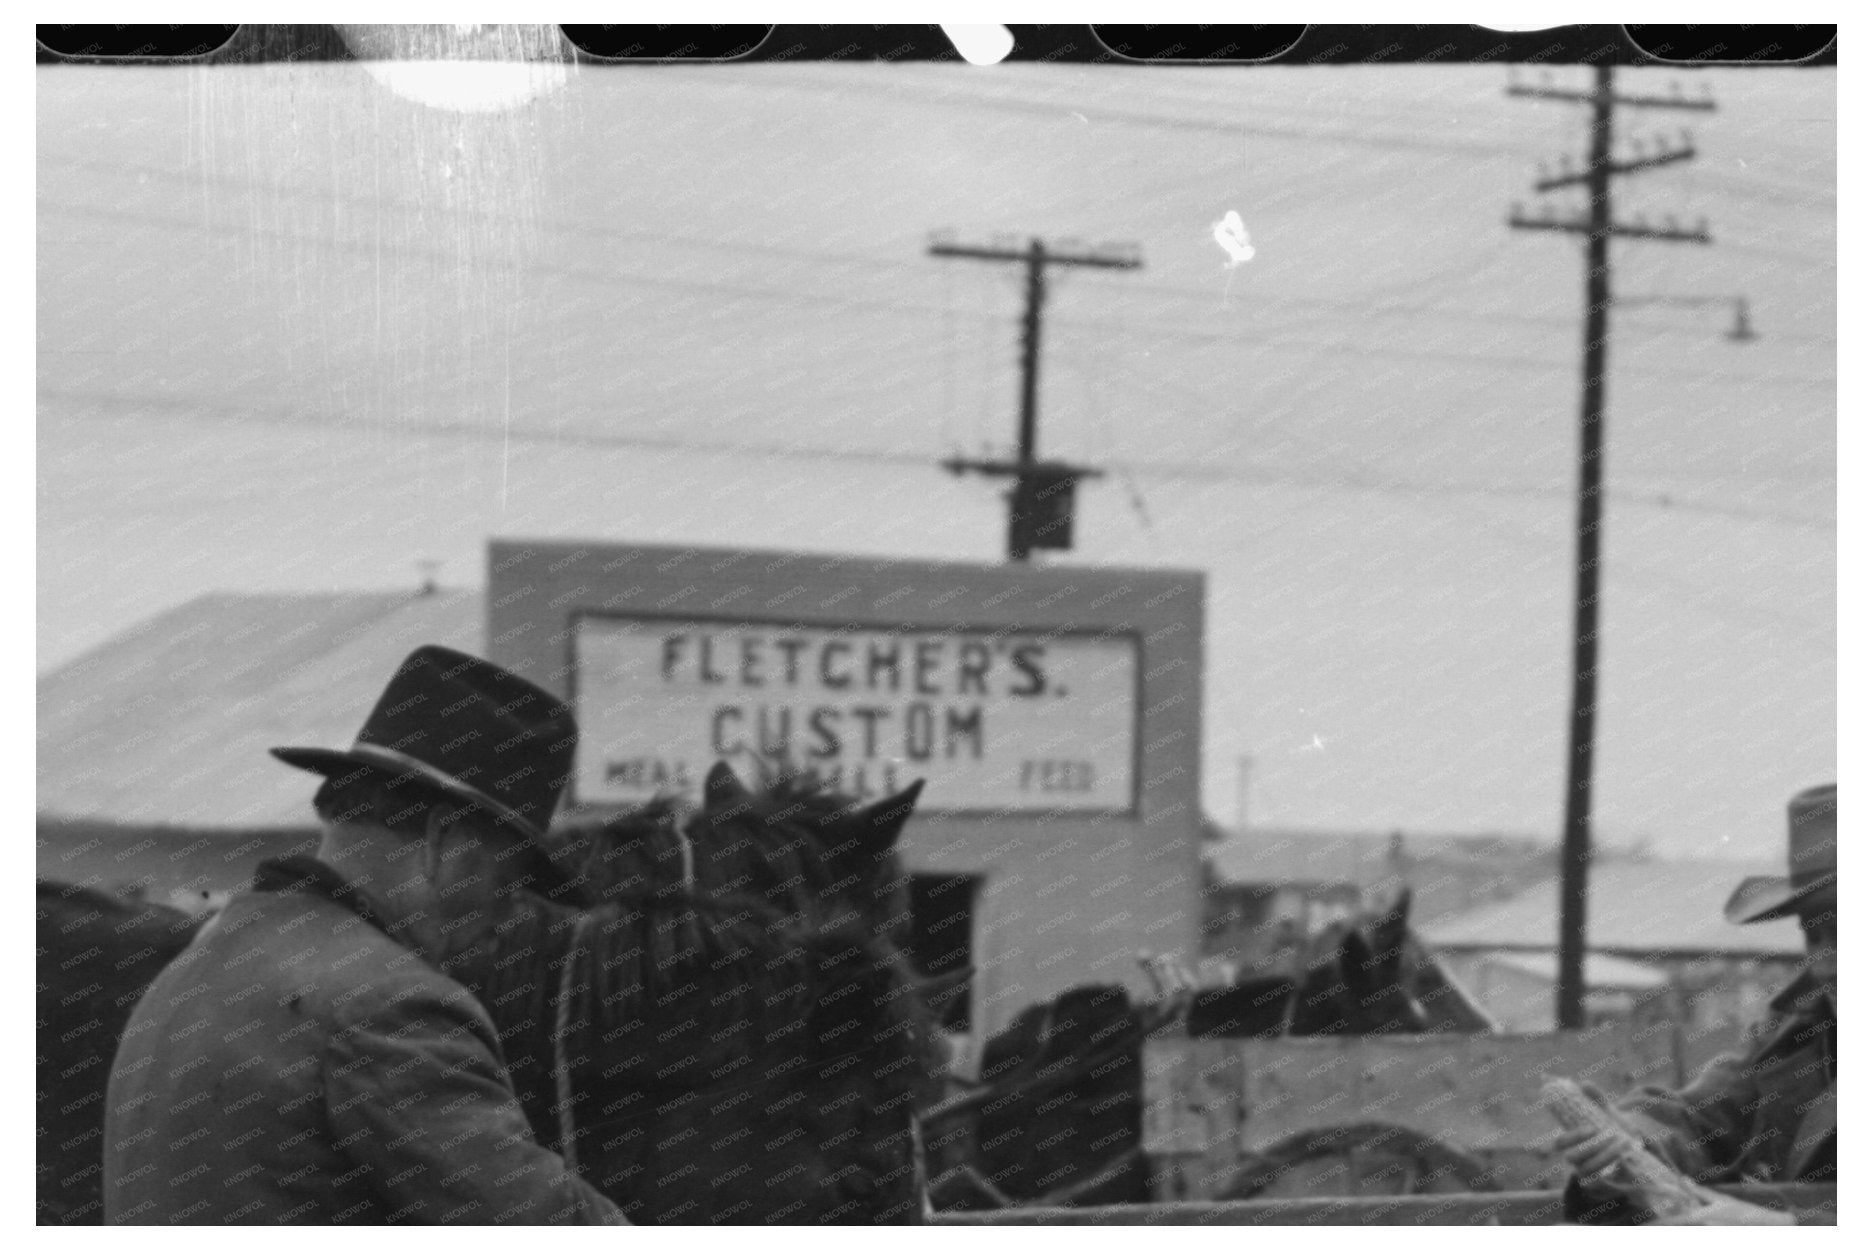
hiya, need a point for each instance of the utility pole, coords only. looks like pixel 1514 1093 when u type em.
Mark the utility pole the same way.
pixel 1040 505
pixel 1242 793
pixel 1599 227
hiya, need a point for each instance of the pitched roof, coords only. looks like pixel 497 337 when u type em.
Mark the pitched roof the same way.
pixel 1447 873
pixel 1660 906
pixel 1603 972
pixel 169 722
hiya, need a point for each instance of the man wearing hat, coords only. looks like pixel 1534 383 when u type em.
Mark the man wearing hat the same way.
pixel 307 1060
pixel 1765 1113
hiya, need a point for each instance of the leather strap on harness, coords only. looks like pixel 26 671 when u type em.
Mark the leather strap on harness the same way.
pixel 562 1028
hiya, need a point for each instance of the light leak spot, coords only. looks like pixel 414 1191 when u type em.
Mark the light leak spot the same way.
pixel 459 68
pixel 981 43
pixel 1233 237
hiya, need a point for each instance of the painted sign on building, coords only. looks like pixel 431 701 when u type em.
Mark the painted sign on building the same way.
pixel 992 720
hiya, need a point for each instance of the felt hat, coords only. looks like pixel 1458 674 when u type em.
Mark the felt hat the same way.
pixel 1810 863
pixel 469 729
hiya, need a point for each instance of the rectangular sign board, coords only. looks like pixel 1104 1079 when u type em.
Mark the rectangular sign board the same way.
pixel 992 720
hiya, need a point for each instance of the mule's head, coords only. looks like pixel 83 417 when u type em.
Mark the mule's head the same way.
pixel 847 1083
pixel 809 850
pixel 1362 985
pixel 860 845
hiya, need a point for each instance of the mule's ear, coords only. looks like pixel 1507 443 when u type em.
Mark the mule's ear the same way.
pixel 723 788
pixel 1391 931
pixel 878 827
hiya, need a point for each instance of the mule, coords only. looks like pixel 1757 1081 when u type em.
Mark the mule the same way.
pixel 96 956
pixel 1057 1120
pixel 725 1107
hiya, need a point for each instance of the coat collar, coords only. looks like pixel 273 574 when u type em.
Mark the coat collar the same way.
pixel 1802 1028
pixel 306 874
pixel 1801 997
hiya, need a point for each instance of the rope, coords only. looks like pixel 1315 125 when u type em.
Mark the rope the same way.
pixel 562 1025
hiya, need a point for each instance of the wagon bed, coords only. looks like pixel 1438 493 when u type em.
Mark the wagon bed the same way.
pixel 1812 1204
pixel 1373 1116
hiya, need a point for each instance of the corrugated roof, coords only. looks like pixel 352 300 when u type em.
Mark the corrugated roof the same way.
pixel 1357 858
pixel 1603 972
pixel 1657 906
pixel 169 723
pixel 1447 873
pixel 1271 855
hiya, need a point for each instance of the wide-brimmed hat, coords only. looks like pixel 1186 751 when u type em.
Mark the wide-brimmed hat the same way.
pixel 1810 863
pixel 468 728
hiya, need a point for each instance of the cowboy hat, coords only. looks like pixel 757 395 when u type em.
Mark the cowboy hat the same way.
pixel 1810 863
pixel 468 728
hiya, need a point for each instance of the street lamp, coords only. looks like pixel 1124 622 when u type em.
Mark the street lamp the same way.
pixel 1740 331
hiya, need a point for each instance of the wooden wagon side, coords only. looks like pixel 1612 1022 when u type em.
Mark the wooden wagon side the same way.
pixel 1432 1113
pixel 1811 1204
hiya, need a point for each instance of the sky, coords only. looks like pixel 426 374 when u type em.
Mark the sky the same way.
pixel 297 331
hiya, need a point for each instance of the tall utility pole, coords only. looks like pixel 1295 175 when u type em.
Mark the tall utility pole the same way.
pixel 1599 227
pixel 1040 506
pixel 1242 793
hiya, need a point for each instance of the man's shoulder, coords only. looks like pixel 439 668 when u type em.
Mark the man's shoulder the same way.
pixel 332 957
pixel 1800 1017
pixel 299 929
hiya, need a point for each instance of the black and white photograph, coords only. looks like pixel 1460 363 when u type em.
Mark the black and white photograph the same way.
pixel 975 625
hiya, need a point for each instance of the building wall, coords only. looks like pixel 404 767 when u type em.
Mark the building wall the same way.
pixel 1067 897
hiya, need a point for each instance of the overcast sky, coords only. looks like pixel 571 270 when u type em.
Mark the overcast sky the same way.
pixel 296 332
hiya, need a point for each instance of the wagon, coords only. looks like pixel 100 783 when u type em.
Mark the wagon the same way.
pixel 1392 1115
pixel 1811 1204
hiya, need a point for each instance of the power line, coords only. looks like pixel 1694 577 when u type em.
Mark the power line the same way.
pixel 436 256
pixel 1376 479
pixel 1373 482
pixel 321 198
pixel 701 287
pixel 1524 363
pixel 210 410
pixel 1360 138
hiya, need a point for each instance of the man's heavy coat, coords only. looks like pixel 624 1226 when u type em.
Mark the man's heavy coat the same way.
pixel 298 1065
pixel 1765 1114
pixel 1761 1114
